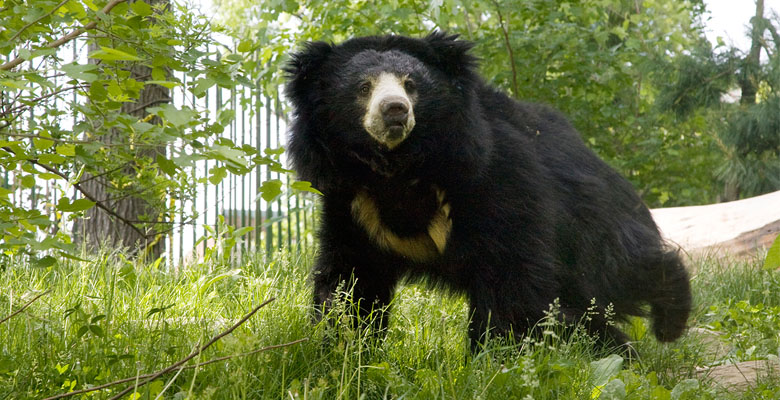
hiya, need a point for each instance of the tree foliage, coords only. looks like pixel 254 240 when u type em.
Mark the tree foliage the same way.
pixel 748 129
pixel 64 120
pixel 596 60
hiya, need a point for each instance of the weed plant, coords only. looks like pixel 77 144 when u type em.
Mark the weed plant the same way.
pixel 109 318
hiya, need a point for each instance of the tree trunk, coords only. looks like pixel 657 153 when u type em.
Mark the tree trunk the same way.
pixel 749 80
pixel 99 228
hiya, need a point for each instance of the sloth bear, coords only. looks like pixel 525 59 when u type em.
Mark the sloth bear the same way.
pixel 428 172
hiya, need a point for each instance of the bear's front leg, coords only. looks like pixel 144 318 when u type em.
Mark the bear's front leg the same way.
pixel 365 289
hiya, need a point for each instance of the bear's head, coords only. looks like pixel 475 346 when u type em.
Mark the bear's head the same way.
pixel 386 101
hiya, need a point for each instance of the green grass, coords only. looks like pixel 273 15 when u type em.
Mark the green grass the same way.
pixel 108 318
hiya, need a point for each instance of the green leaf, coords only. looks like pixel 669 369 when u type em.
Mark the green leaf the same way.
pixel 201 86
pixel 83 72
pixel 67 150
pixel 217 174
pixel 96 330
pixel 613 390
pixel 65 205
pixel 50 159
pixel 175 116
pixel 772 261
pixel 111 54
pixel 44 262
pixel 243 231
pixel 13 84
pixel 163 83
pixel 269 190
pixel 245 46
pixel 156 310
pixel 42 144
pixel 82 331
pixel 49 176
pixel 28 181
pixel 274 152
pixel 61 369
pixel 604 369
pixel 141 8
pixel 166 165
pixel 685 389
pixel 304 186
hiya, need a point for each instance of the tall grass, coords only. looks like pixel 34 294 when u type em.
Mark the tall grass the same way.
pixel 109 318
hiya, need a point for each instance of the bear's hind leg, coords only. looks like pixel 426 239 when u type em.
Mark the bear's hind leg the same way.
pixel 670 302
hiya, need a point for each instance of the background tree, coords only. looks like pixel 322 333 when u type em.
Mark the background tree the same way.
pixel 596 60
pixel 98 227
pixel 748 130
pixel 92 127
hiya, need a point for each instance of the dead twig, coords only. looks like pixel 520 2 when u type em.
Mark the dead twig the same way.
pixel 505 31
pixel 24 307
pixel 145 376
pixel 193 354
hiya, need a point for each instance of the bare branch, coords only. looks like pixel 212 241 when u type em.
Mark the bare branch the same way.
pixel 65 39
pixel 192 355
pixel 31 136
pixel 86 194
pixel 212 361
pixel 41 97
pixel 505 31
pixel 24 307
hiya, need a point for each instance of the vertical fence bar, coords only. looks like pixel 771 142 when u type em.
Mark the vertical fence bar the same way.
pixel 269 233
pixel 279 228
pixel 258 176
pixel 244 219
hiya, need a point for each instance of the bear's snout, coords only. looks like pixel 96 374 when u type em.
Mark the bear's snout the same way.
pixel 389 113
pixel 395 110
pixel 395 113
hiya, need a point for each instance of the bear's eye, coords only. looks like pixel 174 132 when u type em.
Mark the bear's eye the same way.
pixel 365 88
pixel 410 86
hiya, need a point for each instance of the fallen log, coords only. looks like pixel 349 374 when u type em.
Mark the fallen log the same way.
pixel 737 228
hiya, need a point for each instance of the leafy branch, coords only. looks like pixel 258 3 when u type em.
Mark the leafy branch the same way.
pixel 65 39
pixel 98 203
pixel 39 19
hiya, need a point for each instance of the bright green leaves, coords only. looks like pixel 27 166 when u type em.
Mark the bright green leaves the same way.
pixel 67 150
pixel 271 189
pixel 602 371
pixel 51 159
pixel 141 8
pixel 176 117
pixel 65 205
pixel 772 261
pixel 305 186
pixel 109 54
pixel 217 174
pixel 166 165
pixel 81 72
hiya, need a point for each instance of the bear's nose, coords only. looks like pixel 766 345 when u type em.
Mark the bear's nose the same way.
pixel 395 110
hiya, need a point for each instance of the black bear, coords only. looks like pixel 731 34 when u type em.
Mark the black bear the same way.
pixel 428 172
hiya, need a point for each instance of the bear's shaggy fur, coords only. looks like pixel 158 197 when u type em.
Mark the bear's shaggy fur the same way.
pixel 445 178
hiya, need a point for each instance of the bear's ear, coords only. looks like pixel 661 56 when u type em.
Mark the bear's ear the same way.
pixel 452 56
pixel 303 69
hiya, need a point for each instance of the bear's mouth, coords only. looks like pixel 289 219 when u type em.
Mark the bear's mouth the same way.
pixel 395 132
